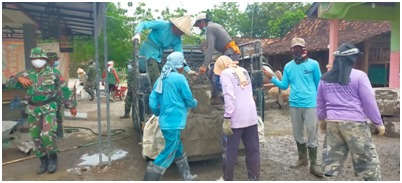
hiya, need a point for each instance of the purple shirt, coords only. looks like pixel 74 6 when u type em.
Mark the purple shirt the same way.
pixel 352 102
pixel 239 102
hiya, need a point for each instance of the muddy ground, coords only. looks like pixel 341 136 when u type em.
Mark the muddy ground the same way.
pixel 277 153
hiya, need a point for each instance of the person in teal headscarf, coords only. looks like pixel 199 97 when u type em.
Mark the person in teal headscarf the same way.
pixel 170 100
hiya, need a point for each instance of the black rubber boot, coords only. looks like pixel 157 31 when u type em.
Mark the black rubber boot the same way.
pixel 44 162
pixel 312 152
pixel 302 151
pixel 91 93
pixel 53 161
pixel 184 168
pixel 154 172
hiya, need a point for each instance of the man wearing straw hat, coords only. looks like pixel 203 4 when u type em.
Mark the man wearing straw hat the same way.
pixel 164 35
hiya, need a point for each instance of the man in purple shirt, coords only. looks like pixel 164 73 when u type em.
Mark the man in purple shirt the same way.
pixel 345 98
pixel 240 118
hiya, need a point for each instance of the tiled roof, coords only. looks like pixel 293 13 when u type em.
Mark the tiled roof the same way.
pixel 316 34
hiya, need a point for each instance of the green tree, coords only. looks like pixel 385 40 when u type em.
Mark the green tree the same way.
pixel 229 16
pixel 272 19
pixel 119 33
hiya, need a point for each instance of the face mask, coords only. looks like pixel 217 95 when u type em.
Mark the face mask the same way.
pixel 38 63
pixel 129 67
pixel 298 58
pixel 56 63
pixel 204 28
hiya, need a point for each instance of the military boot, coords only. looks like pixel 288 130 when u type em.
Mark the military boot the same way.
pixel 154 172
pixel 44 162
pixel 302 151
pixel 184 168
pixel 53 161
pixel 126 114
pixel 92 94
pixel 312 152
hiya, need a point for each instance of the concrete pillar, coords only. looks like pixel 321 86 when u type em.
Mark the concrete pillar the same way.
pixel 394 70
pixel 333 41
pixel 29 34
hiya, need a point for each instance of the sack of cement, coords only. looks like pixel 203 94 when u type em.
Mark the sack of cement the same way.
pixel 152 140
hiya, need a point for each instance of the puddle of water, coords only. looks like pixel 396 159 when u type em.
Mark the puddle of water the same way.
pixel 94 159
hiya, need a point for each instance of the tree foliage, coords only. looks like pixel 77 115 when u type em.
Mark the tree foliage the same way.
pixel 273 19
pixel 258 20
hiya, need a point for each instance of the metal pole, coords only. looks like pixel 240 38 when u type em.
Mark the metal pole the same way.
pixel 97 80
pixel 107 100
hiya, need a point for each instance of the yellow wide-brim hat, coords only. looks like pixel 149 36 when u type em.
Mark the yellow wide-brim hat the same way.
pixel 183 23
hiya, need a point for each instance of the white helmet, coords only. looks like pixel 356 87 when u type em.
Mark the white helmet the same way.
pixel 201 16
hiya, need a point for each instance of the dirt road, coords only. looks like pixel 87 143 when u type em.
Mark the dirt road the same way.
pixel 277 153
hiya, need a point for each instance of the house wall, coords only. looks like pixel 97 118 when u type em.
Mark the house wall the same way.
pixel 13 60
pixel 374 62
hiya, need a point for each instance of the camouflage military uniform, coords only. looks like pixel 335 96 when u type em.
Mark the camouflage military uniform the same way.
pixel 59 112
pixel 42 106
pixel 129 96
pixel 90 85
pixel 343 137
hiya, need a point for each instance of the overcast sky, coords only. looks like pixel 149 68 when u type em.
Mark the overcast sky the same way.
pixel 193 7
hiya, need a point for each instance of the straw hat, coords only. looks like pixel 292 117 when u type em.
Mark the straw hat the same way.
pixel 298 42
pixel 183 23
pixel 79 71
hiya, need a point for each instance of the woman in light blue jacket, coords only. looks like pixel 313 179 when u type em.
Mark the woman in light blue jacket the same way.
pixel 170 99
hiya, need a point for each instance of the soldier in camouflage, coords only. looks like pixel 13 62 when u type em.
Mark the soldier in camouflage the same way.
pixel 43 84
pixel 345 100
pixel 129 96
pixel 53 61
pixel 90 85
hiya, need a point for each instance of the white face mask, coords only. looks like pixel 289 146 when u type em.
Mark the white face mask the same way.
pixel 38 63
pixel 56 63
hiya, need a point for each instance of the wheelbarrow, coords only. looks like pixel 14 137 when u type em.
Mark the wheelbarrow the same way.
pixel 121 92
pixel 7 127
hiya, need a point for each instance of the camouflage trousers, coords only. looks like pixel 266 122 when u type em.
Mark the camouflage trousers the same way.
pixel 354 137
pixel 128 101
pixel 154 70
pixel 43 132
pixel 89 87
pixel 59 119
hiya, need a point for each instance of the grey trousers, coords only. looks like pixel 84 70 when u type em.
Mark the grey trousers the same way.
pixel 304 117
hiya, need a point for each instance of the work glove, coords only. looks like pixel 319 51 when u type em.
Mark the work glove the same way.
pixel 381 130
pixel 137 37
pixel 73 112
pixel 323 125
pixel 25 81
pixel 192 73
pixel 202 70
pixel 227 129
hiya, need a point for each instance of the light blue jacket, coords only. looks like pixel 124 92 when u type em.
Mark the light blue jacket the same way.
pixel 172 105
pixel 160 38
pixel 303 80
